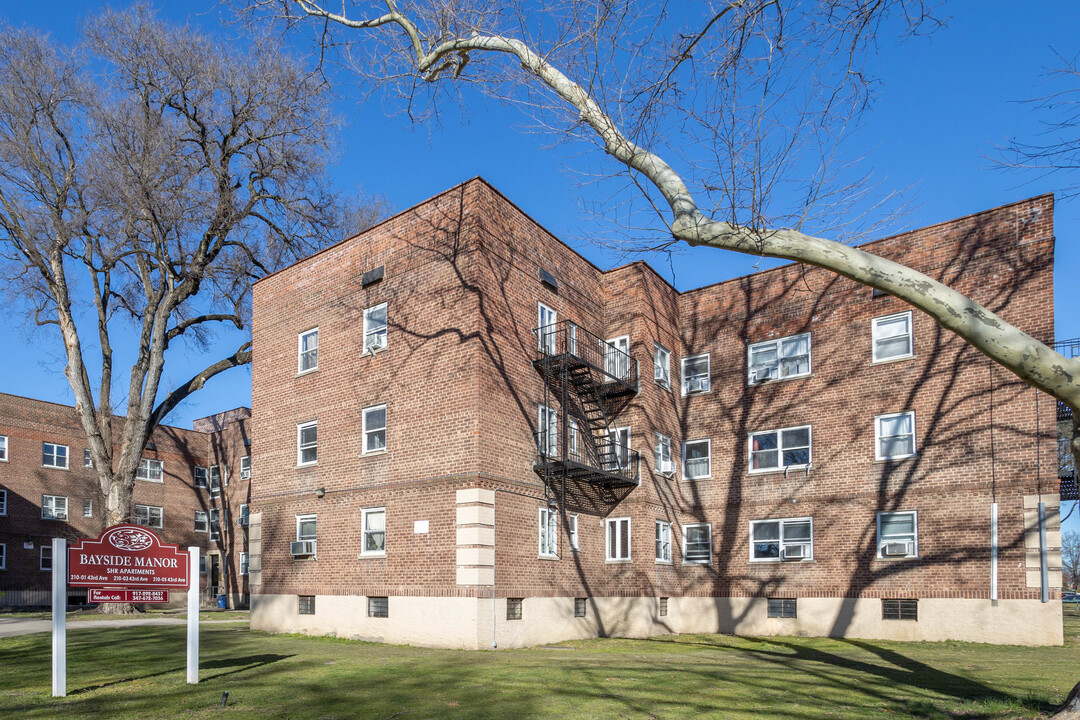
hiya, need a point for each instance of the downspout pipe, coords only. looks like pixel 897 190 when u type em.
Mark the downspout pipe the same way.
pixel 1044 573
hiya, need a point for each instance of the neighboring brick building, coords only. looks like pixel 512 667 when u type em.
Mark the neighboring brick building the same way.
pixel 191 489
pixel 783 453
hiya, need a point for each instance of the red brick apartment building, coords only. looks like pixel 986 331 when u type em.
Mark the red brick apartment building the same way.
pixel 192 488
pixel 467 435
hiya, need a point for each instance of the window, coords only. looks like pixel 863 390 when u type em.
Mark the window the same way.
pixel 374 419
pixel 571 338
pixel 696 460
pixel 787 539
pixel 619 439
pixel 375 328
pixel 897 535
pixel 572 451
pixel 549 533
pixel 895 436
pixel 308 351
pixel 245 467
pixel 46 557
pixel 663 606
pixel 202 564
pixel 697 543
pixel 3 503
pixel 618 539
pixel 244 517
pixel 664 463
pixel 662 365
pixel 695 374
pixel 87 460
pixel 150 470
pixel 373 521
pixel 87 507
pixel 906 609
pixel 147 516
pixel 307 443
pixel 513 608
pixel 778 449
pixel 215 480
pixel 572 521
pixel 53 507
pixel 892 337
pixel 200 475
pixel 548 431
pixel 378 607
pixel 245 563
pixel 305 527
pixel 783 608
pixel 663 541
pixel 202 523
pixel 215 524
pixel 783 358
pixel 546 338
pixel 3 448
pixel 53 455
pixel 580 607
pixel 617 357
pixel 3 556
pixel 306 604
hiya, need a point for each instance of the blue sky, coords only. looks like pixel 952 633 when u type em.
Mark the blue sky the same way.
pixel 943 105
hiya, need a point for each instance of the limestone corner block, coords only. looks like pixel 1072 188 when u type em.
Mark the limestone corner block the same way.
pixel 476 536
pixel 476 495
pixel 1032 501
pixel 475 576
pixel 476 556
pixel 475 515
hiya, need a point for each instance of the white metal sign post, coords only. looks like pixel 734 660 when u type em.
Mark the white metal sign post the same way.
pixel 59 617
pixel 193 619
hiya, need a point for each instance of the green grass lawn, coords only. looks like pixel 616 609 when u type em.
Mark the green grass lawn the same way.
pixel 138 672
pixel 80 615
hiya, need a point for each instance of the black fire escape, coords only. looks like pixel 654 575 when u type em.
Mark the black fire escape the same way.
pixel 1066 463
pixel 590 381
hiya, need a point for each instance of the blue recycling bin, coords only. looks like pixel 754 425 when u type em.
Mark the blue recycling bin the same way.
pixel 221 601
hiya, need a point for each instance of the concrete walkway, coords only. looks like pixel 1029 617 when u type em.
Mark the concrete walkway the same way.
pixel 10 627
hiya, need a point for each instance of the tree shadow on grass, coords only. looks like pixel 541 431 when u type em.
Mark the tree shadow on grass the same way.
pixel 238 665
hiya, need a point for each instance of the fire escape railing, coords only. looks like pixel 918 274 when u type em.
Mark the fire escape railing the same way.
pixel 1069 488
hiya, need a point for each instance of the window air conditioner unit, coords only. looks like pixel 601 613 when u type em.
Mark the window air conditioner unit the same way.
pixel 245 474
pixel 695 385
pixel 667 467
pixel 243 522
pixel 898 549
pixel 61 515
pixel 762 374
pixel 302 547
pixel 795 552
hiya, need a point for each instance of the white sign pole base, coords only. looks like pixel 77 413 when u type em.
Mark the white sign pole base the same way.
pixel 59 617
pixel 193 618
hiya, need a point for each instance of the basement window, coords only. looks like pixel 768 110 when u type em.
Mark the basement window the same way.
pixel 783 608
pixel 513 608
pixel 663 607
pixel 580 607
pixel 899 609
pixel 307 604
pixel 378 607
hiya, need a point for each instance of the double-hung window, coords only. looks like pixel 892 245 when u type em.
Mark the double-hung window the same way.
pixel 150 470
pixel 696 459
pixel 147 516
pixel 549 533
pixel 3 556
pixel 245 467
pixel 784 357
pixel 780 449
pixel 308 351
pixel 307 443
pixel 696 374
pixel 617 357
pixel 53 455
pixel 898 534
pixel 244 517
pixel 306 527
pixel 87 459
pixel 546 337
pixel 373 521
pixel 244 563
pixel 202 524
pixel 663 541
pixel 3 448
pixel 661 365
pixel 87 507
pixel 200 475
pixel 54 507
pixel 573 452
pixel 3 503
pixel 895 436
pixel 375 328
pixel 697 543
pixel 571 521
pixel 785 539
pixel 619 442
pixel 618 539
pixel 892 337
pixel 664 463
pixel 45 562
pixel 374 427
pixel 215 524
pixel 215 480
pixel 547 439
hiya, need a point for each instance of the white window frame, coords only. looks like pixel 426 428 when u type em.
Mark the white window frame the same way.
pixel 781 542
pixel 613 529
pixel 149 515
pixel 662 452
pixel 3 503
pixel 366 430
pixel 617 358
pixel 874 339
pixel 212 484
pixel 88 507
pixel 706 387
pixel 300 447
pixel 67 455
pixel 572 521
pixel 547 425
pixel 45 550
pixel 145 471
pixel 3 556
pixel 877 436
pixel 300 519
pixel 661 366
pixel 546 339
pixel 548 533
pixel 708 444
pixel 205 485
pixel 365 531
pixel 244 563
pixel 243 518
pixel 572 450
pixel 53 513
pixel 663 542
pixel 779 343
pixel 214 518
pixel 372 331
pixel 913 537
pixel 3 448
pixel 780 466
pixel 87 458
pixel 245 467
pixel 624 453
pixel 205 521
pixel 685 543
pixel 300 352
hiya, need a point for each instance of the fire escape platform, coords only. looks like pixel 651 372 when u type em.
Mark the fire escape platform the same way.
pixel 610 386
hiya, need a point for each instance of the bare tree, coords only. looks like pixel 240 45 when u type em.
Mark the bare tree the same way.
pixel 1070 559
pixel 748 101
pixel 147 178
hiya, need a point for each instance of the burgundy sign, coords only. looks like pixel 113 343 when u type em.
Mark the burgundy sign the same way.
pixel 128 596
pixel 130 557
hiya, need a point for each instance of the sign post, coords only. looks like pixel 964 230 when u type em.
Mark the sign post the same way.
pixel 193 618
pixel 59 617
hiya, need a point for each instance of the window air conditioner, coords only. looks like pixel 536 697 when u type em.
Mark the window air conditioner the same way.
pixel 302 547
pixel 898 549
pixel 242 521
pixel 667 467
pixel 761 374
pixel 695 385
pixel 795 552
pixel 60 515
